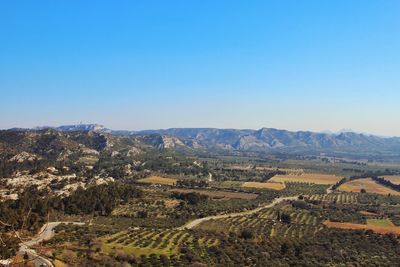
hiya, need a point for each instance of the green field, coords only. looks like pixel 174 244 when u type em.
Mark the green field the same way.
pixel 160 242
pixel 380 222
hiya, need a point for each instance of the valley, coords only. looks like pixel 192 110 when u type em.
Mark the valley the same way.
pixel 132 201
pixel 200 133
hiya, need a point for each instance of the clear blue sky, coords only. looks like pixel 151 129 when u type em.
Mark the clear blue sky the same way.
pixel 311 65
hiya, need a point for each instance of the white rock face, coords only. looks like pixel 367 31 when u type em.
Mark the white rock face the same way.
pixel 128 169
pixel 52 170
pixel 81 127
pixel 24 156
pixel 171 142
pixel 89 152
pixel 133 152
pixel 6 195
pixel 136 163
pixel 42 180
pixel 5 262
pixel 99 181
pixel 64 155
pixel 114 153
pixel 197 164
pixel 68 189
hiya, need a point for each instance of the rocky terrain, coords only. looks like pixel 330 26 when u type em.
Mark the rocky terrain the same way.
pixel 265 140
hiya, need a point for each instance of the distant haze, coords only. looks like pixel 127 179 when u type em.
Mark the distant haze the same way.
pixel 295 65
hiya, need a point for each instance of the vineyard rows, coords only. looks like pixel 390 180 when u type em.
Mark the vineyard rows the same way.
pixel 303 224
pixel 342 198
pixel 167 242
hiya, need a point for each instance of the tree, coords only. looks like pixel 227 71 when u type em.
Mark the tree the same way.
pixel 285 218
pixel 299 204
pixel 246 234
pixel 284 248
pixel 298 251
pixel 26 256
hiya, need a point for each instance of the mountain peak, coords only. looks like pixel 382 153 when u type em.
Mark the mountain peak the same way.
pixel 76 127
pixel 81 127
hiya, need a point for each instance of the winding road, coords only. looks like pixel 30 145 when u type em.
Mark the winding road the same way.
pixel 196 222
pixel 45 233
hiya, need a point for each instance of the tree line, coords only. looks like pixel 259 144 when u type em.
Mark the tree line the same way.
pixel 386 183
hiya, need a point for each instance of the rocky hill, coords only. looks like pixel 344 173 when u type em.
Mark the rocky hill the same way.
pixel 264 141
pixel 269 140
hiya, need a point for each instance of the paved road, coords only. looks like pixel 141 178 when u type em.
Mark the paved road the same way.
pixel 276 201
pixel 45 233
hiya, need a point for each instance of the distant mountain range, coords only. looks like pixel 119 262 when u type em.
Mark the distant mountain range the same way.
pixel 265 140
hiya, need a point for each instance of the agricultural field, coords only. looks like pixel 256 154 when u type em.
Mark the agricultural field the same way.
pixel 368 185
pixel 158 180
pixel 227 184
pixel 266 222
pixel 259 167
pixel 153 204
pixel 297 188
pixel 247 214
pixel 392 178
pixel 218 193
pixel 160 242
pixel 286 170
pixel 325 179
pixel 368 213
pixel 373 227
pixel 340 198
pixel 380 222
pixel 341 168
pixel 268 185
pixel 58 263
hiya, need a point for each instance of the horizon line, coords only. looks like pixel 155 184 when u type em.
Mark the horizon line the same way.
pixel 328 132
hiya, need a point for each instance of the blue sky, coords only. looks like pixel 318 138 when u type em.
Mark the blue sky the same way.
pixel 310 65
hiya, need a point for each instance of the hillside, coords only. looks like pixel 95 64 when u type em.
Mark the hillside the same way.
pixel 262 141
pixel 269 140
pixel 161 192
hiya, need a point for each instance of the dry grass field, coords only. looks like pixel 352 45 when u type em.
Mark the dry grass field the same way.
pixel 58 263
pixel 368 213
pixel 286 170
pixel 171 203
pixel 369 185
pixel 218 194
pixel 158 180
pixel 315 178
pixel 354 226
pixel 393 179
pixel 269 185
